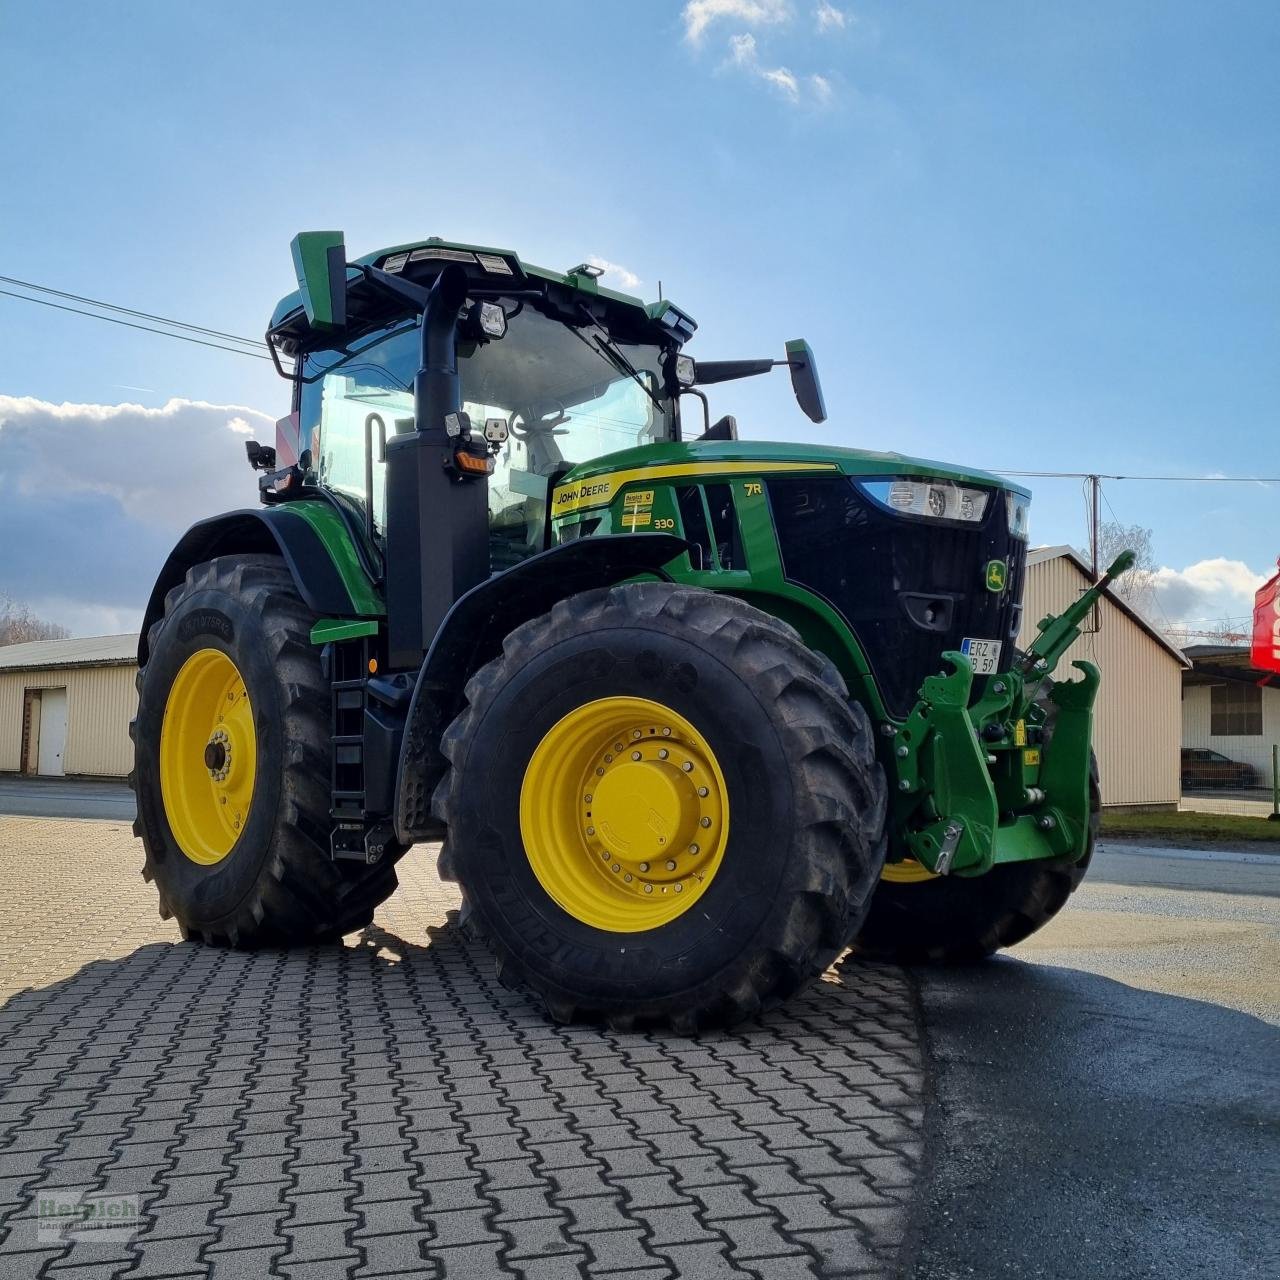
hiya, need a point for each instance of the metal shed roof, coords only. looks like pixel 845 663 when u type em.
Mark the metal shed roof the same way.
pixel 91 651
pixel 1038 555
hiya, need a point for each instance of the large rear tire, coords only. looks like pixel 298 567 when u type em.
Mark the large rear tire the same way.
pixel 231 766
pixel 661 808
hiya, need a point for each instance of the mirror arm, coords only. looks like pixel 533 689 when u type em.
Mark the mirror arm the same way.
pixel 706 406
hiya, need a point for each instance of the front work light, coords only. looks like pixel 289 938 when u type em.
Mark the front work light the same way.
pixel 485 321
pixel 933 499
pixel 1019 509
pixel 686 371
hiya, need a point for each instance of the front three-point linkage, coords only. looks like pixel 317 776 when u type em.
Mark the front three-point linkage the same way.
pixel 978 785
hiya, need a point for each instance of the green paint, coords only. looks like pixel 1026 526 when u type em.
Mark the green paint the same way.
pixel 318 258
pixel 850 462
pixel 328 630
pixel 337 541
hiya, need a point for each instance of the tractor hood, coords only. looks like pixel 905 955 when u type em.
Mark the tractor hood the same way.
pixel 851 462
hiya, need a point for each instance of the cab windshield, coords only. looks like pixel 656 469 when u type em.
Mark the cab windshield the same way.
pixel 567 395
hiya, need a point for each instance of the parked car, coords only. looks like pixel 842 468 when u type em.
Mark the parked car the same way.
pixel 1204 768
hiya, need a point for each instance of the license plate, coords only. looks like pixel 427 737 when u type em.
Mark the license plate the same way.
pixel 983 655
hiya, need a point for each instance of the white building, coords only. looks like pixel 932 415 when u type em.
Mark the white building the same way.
pixel 65 706
pixel 1231 707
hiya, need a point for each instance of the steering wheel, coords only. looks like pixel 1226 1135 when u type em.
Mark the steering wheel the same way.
pixel 541 427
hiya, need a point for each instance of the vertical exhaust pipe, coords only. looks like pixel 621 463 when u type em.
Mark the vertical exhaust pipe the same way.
pixel 437 525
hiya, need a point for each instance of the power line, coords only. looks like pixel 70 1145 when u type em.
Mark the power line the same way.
pixel 128 324
pixel 1101 475
pixel 129 311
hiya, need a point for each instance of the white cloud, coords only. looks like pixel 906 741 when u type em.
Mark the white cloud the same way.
pixel 744 56
pixel 700 14
pixel 616 274
pixel 828 18
pixel 1205 593
pixel 93 497
pixel 782 80
pixel 163 466
pixel 87 618
pixel 821 89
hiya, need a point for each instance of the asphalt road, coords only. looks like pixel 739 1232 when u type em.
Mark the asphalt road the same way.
pixel 65 798
pixel 1107 1095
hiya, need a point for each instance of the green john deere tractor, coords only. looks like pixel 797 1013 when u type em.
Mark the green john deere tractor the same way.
pixel 690 714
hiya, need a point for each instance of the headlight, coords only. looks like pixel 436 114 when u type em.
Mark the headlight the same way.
pixel 1019 509
pixel 934 499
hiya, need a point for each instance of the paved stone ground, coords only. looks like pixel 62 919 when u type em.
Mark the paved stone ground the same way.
pixel 385 1108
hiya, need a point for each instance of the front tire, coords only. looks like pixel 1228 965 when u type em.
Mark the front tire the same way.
pixel 231 766
pixel 646 737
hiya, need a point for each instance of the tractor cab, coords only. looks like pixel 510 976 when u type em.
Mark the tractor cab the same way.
pixel 553 370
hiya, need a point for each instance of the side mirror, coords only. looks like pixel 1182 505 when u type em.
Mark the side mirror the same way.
pixel 804 380
pixel 320 262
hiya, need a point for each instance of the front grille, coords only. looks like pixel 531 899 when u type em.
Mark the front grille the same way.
pixel 908 587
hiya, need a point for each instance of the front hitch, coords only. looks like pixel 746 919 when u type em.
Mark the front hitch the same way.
pixel 986 784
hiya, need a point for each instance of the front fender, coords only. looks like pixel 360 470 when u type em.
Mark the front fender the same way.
pixel 472 634
pixel 307 534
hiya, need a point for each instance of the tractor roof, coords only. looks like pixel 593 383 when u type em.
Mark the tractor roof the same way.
pixel 492 267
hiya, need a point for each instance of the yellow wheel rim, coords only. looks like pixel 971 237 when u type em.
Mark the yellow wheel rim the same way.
pixel 908 871
pixel 624 814
pixel 208 756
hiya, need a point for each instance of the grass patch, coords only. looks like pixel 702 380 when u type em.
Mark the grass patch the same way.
pixel 1169 827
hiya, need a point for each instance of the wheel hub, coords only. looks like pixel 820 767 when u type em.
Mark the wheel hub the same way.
pixel 650 814
pixel 208 748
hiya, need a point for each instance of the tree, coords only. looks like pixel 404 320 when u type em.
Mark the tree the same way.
pixel 18 624
pixel 1137 587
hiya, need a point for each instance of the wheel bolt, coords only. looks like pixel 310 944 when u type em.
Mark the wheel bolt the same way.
pixel 679 888
pixel 693 848
pixel 706 822
pixel 663 753
pixel 616 868
pixel 627 877
pixel 687 767
pixel 666 733
pixel 587 799
pixel 591 831
pixel 644 866
pixel 702 791
pixel 648 888
pixel 599 773
pixel 617 746
pixel 608 759
pixel 635 733
pixel 635 755
pixel 671 866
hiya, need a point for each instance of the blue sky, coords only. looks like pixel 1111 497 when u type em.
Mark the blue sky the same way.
pixel 1016 235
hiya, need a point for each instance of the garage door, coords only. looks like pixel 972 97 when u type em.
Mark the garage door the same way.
pixel 53 731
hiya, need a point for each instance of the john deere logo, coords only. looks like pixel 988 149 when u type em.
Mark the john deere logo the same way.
pixel 997 573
